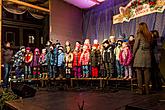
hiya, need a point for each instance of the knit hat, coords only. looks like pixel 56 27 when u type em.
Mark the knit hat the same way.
pixel 37 50
pixel 49 42
pixel 105 41
pixel 43 50
pixel 60 47
pixel 111 37
pixel 78 45
pixel 22 47
pixel 95 45
pixel 27 48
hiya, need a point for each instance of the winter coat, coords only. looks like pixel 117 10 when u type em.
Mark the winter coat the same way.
pixel 95 58
pixel 85 57
pixel 68 59
pixel 36 57
pixel 7 55
pixel 28 57
pixel 42 59
pixel 61 59
pixel 162 60
pixel 117 51
pixel 76 58
pixel 19 59
pixel 141 52
pixel 125 57
pixel 108 55
pixel 55 52
pixel 50 58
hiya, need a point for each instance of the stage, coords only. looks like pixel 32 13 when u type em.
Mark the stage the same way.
pixel 93 100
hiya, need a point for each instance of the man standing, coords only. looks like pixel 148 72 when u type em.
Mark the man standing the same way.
pixel 6 62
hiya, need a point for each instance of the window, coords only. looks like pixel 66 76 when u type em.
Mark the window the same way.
pixel 42 40
pixel 31 39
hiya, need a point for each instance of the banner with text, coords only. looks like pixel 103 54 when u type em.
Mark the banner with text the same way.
pixel 138 8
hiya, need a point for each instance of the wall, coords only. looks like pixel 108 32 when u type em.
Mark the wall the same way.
pixel 65 22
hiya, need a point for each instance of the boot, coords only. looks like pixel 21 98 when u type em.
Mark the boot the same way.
pixel 26 76
pixel 87 75
pixel 46 77
pixel 83 75
pixel 43 76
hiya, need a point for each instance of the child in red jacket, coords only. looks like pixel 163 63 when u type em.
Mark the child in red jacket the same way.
pixel 76 60
pixel 125 58
pixel 84 59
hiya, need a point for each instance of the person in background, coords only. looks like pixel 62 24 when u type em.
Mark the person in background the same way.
pixel 125 58
pixel 142 57
pixel 162 59
pixel 119 67
pixel 28 60
pixel 155 71
pixel 7 54
pixel 131 41
pixel 19 62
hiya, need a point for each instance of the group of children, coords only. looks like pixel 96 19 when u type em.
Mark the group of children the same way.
pixel 112 58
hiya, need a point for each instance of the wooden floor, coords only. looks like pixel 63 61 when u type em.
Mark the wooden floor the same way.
pixel 93 100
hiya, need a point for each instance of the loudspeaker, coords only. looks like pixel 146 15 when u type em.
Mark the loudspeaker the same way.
pixel 129 107
pixel 23 90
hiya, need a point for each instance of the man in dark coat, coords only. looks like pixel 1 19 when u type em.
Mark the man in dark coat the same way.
pixel 6 62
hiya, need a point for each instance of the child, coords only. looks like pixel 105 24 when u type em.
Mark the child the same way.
pixel 112 41
pixel 87 43
pixel 43 63
pixel 125 58
pixel 84 59
pixel 95 57
pixel 102 72
pixel 108 58
pixel 50 59
pixel 19 62
pixel 68 61
pixel 28 60
pixel 131 42
pixel 76 60
pixel 60 64
pixel 119 67
pixel 55 52
pixel 35 64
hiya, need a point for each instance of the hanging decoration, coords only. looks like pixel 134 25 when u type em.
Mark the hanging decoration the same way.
pixel 138 8
pixel 19 9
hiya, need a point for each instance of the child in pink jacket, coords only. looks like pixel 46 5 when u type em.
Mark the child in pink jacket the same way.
pixel 125 58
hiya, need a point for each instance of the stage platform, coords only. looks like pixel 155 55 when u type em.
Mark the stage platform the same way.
pixel 72 82
pixel 93 100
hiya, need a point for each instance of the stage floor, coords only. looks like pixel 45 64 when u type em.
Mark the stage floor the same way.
pixel 93 100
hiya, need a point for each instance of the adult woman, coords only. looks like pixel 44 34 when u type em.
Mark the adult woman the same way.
pixel 142 57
